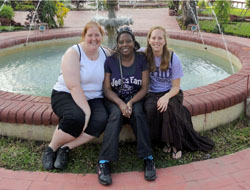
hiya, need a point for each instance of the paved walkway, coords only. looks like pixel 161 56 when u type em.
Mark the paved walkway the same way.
pixel 230 172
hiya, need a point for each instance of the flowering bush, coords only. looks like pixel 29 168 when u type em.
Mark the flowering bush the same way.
pixel 61 13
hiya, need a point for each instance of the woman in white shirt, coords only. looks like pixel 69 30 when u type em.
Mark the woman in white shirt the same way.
pixel 77 97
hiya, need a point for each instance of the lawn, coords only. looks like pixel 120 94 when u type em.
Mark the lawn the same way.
pixel 232 28
pixel 233 11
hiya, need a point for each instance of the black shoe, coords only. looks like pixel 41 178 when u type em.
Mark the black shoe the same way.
pixel 104 176
pixel 61 158
pixel 149 170
pixel 48 158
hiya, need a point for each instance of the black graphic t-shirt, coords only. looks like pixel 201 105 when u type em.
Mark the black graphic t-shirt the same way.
pixel 132 76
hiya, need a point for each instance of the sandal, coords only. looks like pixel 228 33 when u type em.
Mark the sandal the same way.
pixel 167 148
pixel 176 154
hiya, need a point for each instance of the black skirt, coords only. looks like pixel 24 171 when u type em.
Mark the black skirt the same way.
pixel 174 126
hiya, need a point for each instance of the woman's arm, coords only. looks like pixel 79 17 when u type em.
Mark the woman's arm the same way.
pixel 112 96
pixel 71 74
pixel 162 103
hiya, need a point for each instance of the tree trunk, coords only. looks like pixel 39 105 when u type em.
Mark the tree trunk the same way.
pixel 189 12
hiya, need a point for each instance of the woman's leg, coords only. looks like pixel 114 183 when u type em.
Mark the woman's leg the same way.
pixel 172 129
pixel 109 150
pixel 60 138
pixel 140 127
pixel 71 122
pixel 96 125
pixel 153 116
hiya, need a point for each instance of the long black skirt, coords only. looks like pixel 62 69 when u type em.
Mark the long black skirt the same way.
pixel 174 126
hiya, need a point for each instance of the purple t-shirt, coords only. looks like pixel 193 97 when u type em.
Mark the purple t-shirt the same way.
pixel 132 76
pixel 161 81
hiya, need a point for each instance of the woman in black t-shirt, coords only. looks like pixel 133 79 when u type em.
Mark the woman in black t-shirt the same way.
pixel 125 85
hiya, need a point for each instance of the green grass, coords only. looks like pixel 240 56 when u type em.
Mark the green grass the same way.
pixel 17 154
pixel 232 28
pixel 233 11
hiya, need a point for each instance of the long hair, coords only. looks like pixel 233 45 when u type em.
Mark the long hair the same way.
pixel 165 54
pixel 89 25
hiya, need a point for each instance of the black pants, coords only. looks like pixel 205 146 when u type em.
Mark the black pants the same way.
pixel 72 118
pixel 139 125
pixel 174 126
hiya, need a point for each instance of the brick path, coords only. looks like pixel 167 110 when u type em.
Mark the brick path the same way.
pixel 230 172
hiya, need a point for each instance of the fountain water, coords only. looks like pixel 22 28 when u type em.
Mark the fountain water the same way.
pixel 32 22
pixel 197 23
pixel 112 23
pixel 224 41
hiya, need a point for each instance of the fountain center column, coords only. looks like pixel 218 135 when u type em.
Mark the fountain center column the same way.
pixel 112 23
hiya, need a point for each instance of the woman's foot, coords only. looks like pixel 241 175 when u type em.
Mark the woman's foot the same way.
pixel 48 158
pixel 166 148
pixel 176 154
pixel 61 158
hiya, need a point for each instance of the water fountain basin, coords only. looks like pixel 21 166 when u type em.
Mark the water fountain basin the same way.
pixel 212 105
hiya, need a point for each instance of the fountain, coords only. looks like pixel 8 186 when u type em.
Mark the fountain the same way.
pixel 112 23
pixel 224 41
pixel 197 24
pixel 32 21
pixel 31 116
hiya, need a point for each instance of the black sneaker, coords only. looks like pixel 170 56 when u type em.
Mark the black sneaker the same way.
pixel 149 170
pixel 48 158
pixel 104 176
pixel 61 158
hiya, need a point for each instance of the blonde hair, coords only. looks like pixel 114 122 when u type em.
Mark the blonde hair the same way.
pixel 165 54
pixel 89 25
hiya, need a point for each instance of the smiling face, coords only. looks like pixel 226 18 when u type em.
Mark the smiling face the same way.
pixel 93 37
pixel 125 44
pixel 157 41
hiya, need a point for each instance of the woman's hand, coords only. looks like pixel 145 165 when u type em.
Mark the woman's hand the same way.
pixel 87 117
pixel 123 108
pixel 129 108
pixel 162 103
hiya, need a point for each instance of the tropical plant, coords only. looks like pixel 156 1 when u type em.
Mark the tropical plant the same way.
pixel 222 11
pixel 61 13
pixel 7 12
pixel 46 13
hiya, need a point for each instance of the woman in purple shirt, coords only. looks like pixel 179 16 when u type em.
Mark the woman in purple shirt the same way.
pixel 169 121
pixel 125 85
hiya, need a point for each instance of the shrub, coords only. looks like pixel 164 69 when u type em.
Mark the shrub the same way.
pixel 61 13
pixel 202 4
pixel 248 4
pixel 7 12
